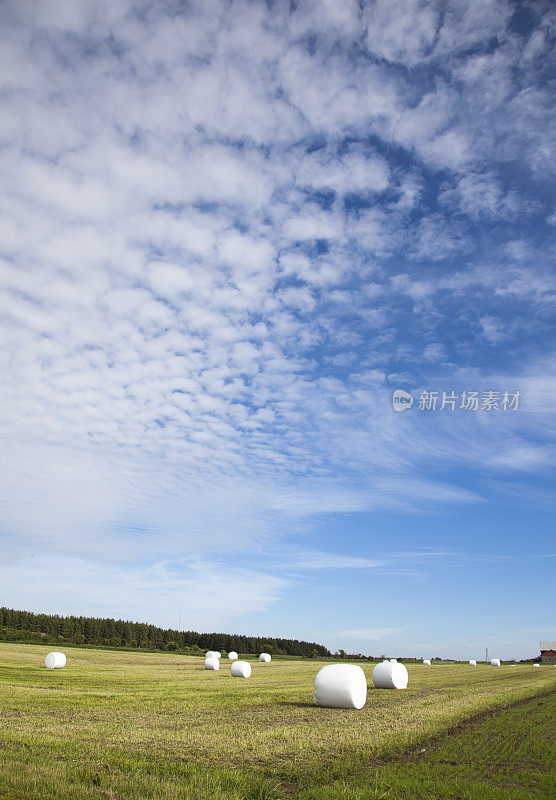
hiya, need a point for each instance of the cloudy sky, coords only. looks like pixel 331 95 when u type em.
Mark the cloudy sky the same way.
pixel 229 231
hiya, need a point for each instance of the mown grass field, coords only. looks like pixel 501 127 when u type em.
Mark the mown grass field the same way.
pixel 508 754
pixel 128 725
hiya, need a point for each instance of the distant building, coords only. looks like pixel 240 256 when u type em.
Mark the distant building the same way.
pixel 548 657
pixel 548 652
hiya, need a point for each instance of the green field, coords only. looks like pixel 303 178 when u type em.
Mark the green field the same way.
pixel 128 725
pixel 507 754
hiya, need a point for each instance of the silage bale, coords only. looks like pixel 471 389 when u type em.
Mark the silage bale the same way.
pixel 390 675
pixel 55 660
pixel 232 655
pixel 427 661
pixel 241 669
pixel 264 657
pixel 340 686
pixel 472 663
pixel 536 665
pixel 495 662
pixel 212 663
pixel 213 654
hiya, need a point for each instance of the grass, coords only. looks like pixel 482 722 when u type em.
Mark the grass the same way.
pixel 507 754
pixel 156 725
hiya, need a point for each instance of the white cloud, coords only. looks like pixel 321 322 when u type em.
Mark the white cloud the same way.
pixel 305 559
pixel 481 196
pixel 524 457
pixel 352 172
pixel 205 596
pixel 213 221
pixel 402 31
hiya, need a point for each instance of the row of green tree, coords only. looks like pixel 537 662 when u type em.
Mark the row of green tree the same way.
pixel 24 626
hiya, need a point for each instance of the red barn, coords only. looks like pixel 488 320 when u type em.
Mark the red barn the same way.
pixel 548 652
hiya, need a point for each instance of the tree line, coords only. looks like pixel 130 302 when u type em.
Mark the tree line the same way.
pixel 24 626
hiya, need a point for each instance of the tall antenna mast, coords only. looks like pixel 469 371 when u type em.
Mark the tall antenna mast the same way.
pixel 486 651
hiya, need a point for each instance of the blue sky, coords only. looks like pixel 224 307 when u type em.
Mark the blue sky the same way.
pixel 229 232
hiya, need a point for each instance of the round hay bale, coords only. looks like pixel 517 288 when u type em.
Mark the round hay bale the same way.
pixel 212 663
pixel 495 662
pixel 232 655
pixel 265 658
pixel 390 675
pixel 427 661
pixel 340 686
pixel 241 669
pixel 393 661
pixel 472 663
pixel 536 665
pixel 55 661
pixel 213 654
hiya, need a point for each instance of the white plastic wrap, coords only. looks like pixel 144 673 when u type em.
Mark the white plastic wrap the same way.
pixel 340 686
pixel 472 663
pixel 241 669
pixel 390 675
pixel 232 655
pixel 212 663
pixel 55 661
pixel 213 654
pixel 495 662
pixel 427 661
pixel 264 657
pixel 536 665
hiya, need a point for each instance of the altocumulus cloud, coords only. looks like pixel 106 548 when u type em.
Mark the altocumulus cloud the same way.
pixel 228 231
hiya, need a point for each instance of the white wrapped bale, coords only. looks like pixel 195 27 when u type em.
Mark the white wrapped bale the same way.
pixel 393 661
pixel 472 663
pixel 340 686
pixel 536 665
pixel 241 669
pixel 232 655
pixel 213 654
pixel 55 661
pixel 264 657
pixel 390 675
pixel 212 663
pixel 427 661
pixel 495 662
